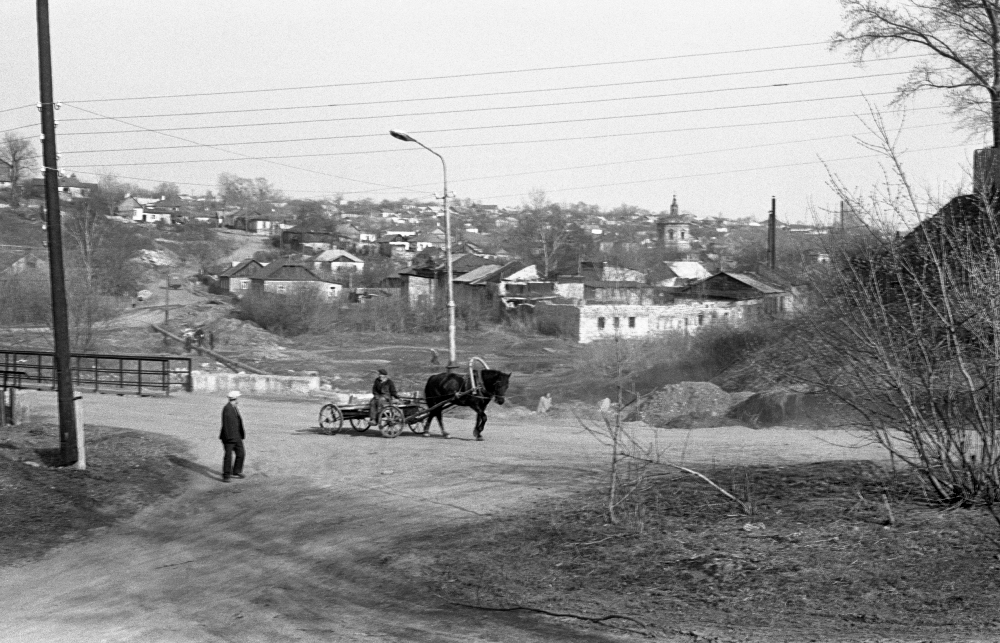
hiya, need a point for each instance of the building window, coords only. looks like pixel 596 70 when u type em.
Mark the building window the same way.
pixel 670 234
pixel 631 322
pixel 701 318
pixel 617 323
pixel 682 234
pixel 600 323
pixel 244 285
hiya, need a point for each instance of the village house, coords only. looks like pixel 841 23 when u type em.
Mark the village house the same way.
pixel 589 311
pixel 682 273
pixel 236 279
pixel 252 221
pixel 480 288
pixel 427 278
pixel 69 188
pixel 337 260
pixel 731 286
pixel 287 277
pixel 525 287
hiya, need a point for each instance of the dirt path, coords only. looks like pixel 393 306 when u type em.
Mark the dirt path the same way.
pixel 294 553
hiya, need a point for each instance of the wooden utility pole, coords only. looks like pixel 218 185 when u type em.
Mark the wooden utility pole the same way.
pixel 60 315
pixel 772 224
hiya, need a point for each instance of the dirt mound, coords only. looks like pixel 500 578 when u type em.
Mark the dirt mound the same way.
pixel 780 406
pixel 686 404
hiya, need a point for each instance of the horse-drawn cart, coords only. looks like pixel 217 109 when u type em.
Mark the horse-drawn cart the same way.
pixel 390 422
pixel 416 412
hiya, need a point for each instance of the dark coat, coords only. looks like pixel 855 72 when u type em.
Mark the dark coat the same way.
pixel 384 389
pixel 232 424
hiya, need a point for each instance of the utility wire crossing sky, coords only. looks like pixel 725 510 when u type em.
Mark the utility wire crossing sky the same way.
pixel 597 102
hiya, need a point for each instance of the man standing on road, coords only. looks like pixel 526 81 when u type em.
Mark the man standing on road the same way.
pixel 383 392
pixel 232 436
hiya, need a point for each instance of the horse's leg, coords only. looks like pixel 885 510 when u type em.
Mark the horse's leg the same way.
pixel 480 422
pixel 440 417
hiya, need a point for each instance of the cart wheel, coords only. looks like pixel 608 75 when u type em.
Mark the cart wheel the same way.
pixel 330 419
pixel 360 424
pixel 391 422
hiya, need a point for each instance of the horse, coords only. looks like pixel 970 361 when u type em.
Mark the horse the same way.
pixel 455 388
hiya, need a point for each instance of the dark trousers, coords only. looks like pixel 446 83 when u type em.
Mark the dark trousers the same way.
pixel 377 405
pixel 228 466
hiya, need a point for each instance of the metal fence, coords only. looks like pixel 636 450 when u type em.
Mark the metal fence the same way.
pixel 133 374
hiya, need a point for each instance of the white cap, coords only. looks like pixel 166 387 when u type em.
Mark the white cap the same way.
pixel 234 394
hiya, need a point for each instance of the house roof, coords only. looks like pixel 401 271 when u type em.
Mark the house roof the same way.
pixel 688 269
pixel 245 268
pixel 754 283
pixel 710 287
pixel 336 254
pixel 529 273
pixel 286 271
pixel 477 274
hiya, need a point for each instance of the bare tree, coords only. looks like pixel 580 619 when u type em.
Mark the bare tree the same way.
pixel 246 193
pixel 902 334
pixel 19 158
pixel 545 230
pixel 961 39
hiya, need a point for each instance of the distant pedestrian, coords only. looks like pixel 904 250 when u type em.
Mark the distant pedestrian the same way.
pixel 211 340
pixel 232 436
pixel 544 404
pixel 199 336
pixel 187 343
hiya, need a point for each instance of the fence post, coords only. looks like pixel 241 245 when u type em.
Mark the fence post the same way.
pixel 81 462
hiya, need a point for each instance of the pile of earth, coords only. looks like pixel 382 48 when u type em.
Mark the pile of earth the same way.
pixel 689 405
pixel 244 337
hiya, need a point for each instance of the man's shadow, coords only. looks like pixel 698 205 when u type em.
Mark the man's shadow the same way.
pixel 194 466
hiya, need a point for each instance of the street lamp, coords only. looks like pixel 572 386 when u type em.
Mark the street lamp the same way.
pixel 403 136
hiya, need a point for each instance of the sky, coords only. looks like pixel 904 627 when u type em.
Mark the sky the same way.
pixel 723 104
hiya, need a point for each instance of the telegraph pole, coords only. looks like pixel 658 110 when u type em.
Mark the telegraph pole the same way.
pixel 772 224
pixel 60 316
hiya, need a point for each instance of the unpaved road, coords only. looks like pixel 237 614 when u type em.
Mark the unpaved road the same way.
pixel 293 552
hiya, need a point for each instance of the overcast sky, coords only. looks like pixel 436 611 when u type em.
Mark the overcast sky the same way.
pixel 601 102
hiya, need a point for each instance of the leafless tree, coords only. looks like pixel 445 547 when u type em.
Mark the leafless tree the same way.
pixel 961 39
pixel 245 193
pixel 19 158
pixel 903 335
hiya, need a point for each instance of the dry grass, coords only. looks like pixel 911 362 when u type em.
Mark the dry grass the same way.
pixel 43 506
pixel 816 553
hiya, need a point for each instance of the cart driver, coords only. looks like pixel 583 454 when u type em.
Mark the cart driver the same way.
pixel 383 392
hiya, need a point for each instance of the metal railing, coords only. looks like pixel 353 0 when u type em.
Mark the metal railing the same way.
pixel 135 374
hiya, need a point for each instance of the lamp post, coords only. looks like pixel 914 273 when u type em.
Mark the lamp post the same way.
pixel 403 136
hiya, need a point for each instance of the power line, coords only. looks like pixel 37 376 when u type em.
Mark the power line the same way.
pixel 453 76
pixel 541 105
pixel 12 109
pixel 436 113
pixel 718 172
pixel 240 154
pixel 397 150
pixel 488 127
pixel 528 91
pixel 628 161
pixel 675 156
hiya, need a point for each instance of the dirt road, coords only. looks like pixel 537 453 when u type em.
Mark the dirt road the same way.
pixel 300 551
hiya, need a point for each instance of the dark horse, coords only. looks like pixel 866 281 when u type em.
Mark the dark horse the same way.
pixel 458 390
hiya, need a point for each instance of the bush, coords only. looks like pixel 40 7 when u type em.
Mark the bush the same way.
pixel 293 314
